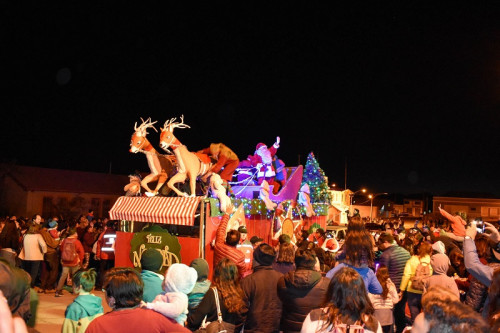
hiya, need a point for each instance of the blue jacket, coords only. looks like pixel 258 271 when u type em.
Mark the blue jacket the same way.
pixel 371 283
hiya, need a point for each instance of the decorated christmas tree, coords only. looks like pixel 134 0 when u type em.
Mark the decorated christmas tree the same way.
pixel 315 177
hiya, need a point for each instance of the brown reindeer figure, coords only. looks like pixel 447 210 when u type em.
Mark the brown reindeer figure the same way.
pixel 159 165
pixel 189 164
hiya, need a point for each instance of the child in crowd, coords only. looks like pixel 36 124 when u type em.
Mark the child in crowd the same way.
pixel 86 306
pixel 202 284
pixel 440 264
pixel 53 229
pixel 384 303
pixel 173 303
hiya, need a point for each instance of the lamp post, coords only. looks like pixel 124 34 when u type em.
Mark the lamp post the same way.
pixel 352 196
pixel 371 197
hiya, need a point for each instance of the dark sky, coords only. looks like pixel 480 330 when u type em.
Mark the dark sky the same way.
pixel 407 95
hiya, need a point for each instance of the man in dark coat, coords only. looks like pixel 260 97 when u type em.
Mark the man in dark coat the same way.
pixel 394 257
pixel 301 291
pixel 264 311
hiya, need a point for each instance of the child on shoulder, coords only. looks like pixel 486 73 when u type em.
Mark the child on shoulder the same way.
pixel 173 303
pixel 86 307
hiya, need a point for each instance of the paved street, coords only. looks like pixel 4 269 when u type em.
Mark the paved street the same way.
pixel 50 315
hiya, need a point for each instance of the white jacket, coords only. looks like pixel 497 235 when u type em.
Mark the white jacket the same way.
pixel 34 247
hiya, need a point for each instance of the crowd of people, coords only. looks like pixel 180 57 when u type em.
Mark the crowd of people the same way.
pixel 440 276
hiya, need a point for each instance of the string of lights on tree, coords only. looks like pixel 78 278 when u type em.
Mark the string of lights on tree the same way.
pixel 315 177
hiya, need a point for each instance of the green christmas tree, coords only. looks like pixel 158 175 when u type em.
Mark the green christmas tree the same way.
pixel 315 177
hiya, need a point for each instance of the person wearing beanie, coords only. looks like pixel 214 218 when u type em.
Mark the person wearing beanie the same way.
pixel 301 290
pixel 173 302
pixel 264 312
pixel 151 264
pixel 440 264
pixel 201 286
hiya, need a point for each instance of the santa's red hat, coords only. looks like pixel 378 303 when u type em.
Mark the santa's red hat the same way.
pixel 260 145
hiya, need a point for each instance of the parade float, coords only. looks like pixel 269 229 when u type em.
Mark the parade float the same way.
pixel 179 216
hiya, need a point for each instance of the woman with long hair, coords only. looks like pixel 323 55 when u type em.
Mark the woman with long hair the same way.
pixel 415 295
pixel 358 253
pixel 285 260
pixel 10 241
pixel 384 303
pixel 233 305
pixel 347 307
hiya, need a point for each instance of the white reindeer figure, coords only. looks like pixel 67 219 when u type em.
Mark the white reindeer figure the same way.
pixel 159 165
pixel 189 164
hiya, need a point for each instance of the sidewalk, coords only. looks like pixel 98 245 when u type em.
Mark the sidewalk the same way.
pixel 50 313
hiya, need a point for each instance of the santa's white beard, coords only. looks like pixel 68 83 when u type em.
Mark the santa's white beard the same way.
pixel 265 156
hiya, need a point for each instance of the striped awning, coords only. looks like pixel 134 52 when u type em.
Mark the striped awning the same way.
pixel 169 210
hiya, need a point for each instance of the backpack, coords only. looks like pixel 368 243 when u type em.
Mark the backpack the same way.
pixel 422 272
pixel 68 252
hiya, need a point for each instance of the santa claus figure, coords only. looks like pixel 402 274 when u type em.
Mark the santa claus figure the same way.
pixel 263 161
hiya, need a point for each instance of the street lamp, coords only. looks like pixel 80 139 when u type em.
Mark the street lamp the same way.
pixel 371 197
pixel 352 196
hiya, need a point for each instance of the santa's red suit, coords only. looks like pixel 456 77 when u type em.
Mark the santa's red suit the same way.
pixel 263 161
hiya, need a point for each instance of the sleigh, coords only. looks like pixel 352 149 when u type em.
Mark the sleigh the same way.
pixel 244 184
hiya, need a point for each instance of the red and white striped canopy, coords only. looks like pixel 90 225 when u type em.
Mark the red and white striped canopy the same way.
pixel 169 210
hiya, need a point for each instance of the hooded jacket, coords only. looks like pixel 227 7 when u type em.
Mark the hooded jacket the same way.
pixel 81 312
pixel 300 291
pixel 179 281
pixel 440 264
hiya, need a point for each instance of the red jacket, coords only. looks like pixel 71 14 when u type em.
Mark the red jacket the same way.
pixel 105 245
pixel 79 249
pixel 222 250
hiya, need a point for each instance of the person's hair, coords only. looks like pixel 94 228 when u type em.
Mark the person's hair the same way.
pixel 355 224
pixel 286 253
pixel 284 238
pixel 358 248
pixel 382 277
pixel 445 313
pixel 125 285
pixel 483 246
pixel 321 231
pixel 85 279
pixel 494 295
pixel 233 237
pixel 227 281
pixel 424 249
pixel 347 301
pixel 385 237
pixel 457 256
pixel 305 258
pixel 71 231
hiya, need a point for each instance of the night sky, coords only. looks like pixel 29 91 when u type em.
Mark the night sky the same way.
pixel 407 96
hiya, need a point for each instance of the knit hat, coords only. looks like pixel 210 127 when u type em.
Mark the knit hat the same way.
pixel 264 259
pixel 439 247
pixel 305 259
pixel 201 267
pixel 52 223
pixel 151 260
pixel 242 229
pixel 180 278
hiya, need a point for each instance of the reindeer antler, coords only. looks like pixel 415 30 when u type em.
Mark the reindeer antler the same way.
pixel 142 129
pixel 170 123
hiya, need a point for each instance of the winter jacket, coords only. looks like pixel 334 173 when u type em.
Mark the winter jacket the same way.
pixel 81 312
pixel 197 294
pixel 105 247
pixel 440 263
pixel 52 244
pixel 409 272
pixel 395 258
pixel 152 285
pixel 371 283
pixel 34 247
pixel 222 250
pixel 264 311
pixel 300 291
pixel 173 303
